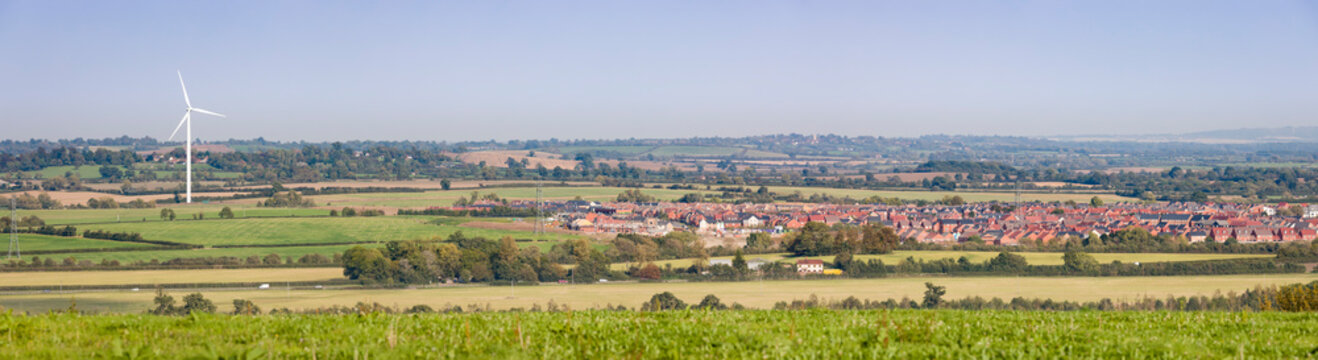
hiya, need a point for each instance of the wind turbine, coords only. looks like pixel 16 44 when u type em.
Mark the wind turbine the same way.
pixel 187 119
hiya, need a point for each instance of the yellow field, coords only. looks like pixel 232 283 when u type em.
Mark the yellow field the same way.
pixel 756 294
pixel 143 277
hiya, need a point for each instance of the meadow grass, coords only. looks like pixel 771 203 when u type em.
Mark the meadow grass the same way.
pixel 182 212
pixel 754 294
pixel 296 252
pixel 941 334
pixel 83 172
pixel 306 230
pixel 129 257
pixel 38 242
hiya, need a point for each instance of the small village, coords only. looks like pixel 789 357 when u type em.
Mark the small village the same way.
pixel 993 223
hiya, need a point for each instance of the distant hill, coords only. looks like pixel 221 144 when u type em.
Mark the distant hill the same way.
pixel 1304 134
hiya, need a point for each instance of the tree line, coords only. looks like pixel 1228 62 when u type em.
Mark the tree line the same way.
pixel 473 259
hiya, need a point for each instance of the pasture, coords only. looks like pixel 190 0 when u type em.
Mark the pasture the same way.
pixel 83 172
pixel 754 294
pixel 38 242
pixel 305 230
pixel 129 257
pixel 182 211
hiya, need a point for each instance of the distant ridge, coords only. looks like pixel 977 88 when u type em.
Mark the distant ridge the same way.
pixel 1289 134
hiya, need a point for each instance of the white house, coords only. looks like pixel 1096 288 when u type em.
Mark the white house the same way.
pixel 809 266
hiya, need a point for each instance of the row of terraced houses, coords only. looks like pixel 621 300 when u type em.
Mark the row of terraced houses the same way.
pixel 943 224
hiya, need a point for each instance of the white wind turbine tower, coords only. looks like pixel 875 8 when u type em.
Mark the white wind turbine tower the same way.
pixel 187 119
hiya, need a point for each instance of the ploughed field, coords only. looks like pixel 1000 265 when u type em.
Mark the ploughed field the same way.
pixel 944 334
pixel 753 294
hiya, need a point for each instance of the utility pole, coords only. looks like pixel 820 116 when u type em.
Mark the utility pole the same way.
pixel 13 229
pixel 1018 182
pixel 539 212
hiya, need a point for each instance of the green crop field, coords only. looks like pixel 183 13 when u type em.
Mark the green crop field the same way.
pixel 970 196
pixel 183 212
pixel 306 230
pixel 84 172
pixel 754 294
pixel 688 150
pixel 940 334
pixel 128 257
pixel 37 242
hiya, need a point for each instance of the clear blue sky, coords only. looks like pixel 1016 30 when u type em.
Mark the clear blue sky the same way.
pixel 475 70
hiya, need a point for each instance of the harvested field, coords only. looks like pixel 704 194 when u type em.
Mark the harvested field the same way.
pixel 499 158
pixel 140 277
pixel 754 294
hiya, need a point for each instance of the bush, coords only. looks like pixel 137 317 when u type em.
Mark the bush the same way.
pixel 245 307
pixel 663 301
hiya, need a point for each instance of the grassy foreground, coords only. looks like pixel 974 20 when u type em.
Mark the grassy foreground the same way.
pixel 943 334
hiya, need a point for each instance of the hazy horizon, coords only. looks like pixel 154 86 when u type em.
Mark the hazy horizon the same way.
pixel 293 71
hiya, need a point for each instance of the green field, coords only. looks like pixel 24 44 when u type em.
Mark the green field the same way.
pixel 307 230
pixel 290 231
pixel 754 294
pixel 1034 258
pixel 689 150
pixel 183 212
pixel 128 257
pixel 38 242
pixel 84 172
pixel 970 196
pixel 446 198
pixel 934 334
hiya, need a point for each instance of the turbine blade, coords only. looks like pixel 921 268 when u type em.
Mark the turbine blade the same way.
pixel 208 112
pixel 180 125
pixel 185 89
